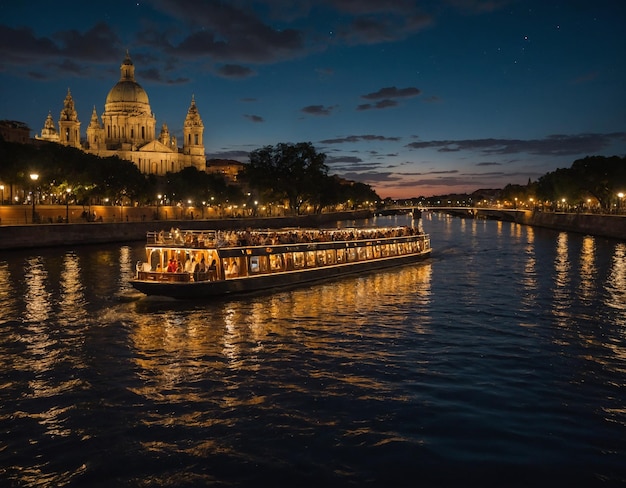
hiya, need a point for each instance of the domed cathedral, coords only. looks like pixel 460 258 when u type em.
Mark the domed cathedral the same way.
pixel 128 128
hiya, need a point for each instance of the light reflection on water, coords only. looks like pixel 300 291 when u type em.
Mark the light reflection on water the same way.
pixel 506 349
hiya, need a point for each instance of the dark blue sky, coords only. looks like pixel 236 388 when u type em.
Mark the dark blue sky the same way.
pixel 411 97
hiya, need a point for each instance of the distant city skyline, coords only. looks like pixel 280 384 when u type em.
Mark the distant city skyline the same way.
pixel 412 98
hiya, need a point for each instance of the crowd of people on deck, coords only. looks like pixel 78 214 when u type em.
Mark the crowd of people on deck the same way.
pixel 242 238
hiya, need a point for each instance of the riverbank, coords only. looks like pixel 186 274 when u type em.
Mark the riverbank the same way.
pixel 612 226
pixel 58 234
pixel 601 225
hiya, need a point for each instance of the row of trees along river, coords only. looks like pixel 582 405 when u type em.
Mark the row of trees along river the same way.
pixel 291 174
pixel 295 174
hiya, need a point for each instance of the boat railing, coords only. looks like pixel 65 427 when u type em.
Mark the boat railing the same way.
pixel 250 238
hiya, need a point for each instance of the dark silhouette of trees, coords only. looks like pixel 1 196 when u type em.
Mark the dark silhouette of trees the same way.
pixel 297 173
pixel 594 176
pixel 290 172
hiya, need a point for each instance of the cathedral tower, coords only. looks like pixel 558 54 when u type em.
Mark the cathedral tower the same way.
pixel 49 132
pixel 193 131
pixel 95 133
pixel 69 126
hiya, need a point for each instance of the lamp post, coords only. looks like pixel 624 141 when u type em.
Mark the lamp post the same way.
pixel 621 197
pixel 157 212
pixel 67 205
pixel 2 189
pixel 34 177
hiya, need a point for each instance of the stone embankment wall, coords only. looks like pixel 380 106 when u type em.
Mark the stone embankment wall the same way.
pixel 612 226
pixel 45 235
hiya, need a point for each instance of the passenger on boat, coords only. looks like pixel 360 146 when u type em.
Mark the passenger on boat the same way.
pixel 197 269
pixel 190 264
pixel 233 270
pixel 212 270
pixel 172 266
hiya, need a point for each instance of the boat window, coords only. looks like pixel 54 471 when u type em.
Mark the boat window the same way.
pixel 330 256
pixel 258 264
pixel 377 251
pixel 276 262
pixel 361 253
pixel 155 260
pixel 351 254
pixel 341 255
pixel 321 258
pixel 310 259
pixel 232 267
pixel 393 250
pixel 384 250
pixel 298 260
pixel 288 261
pixel 368 252
pixel 254 264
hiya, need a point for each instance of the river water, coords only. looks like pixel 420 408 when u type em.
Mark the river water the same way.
pixel 500 361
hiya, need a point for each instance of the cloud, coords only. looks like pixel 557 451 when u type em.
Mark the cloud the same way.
pixel 64 51
pixel 378 105
pixel 478 6
pixel 254 118
pixel 343 159
pixel 368 137
pixel 553 145
pixel 227 33
pixel 392 92
pixel 318 110
pixel 378 23
pixel 235 71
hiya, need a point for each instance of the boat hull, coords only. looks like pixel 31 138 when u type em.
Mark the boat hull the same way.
pixel 202 289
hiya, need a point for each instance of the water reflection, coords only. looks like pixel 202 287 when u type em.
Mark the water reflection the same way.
pixel 529 277
pixel 8 304
pixel 37 296
pixel 616 284
pixel 588 269
pixel 562 296
pixel 242 335
pixel 72 303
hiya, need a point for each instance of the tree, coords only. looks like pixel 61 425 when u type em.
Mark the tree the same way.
pixel 287 172
pixel 601 177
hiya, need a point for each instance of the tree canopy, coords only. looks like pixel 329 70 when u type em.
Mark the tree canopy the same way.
pixel 291 172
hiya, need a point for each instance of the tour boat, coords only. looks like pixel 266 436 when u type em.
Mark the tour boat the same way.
pixel 194 263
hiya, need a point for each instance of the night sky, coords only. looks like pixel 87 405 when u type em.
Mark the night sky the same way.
pixel 412 97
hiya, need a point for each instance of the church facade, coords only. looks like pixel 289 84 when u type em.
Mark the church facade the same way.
pixel 127 129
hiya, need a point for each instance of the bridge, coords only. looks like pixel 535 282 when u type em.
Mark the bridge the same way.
pixel 506 214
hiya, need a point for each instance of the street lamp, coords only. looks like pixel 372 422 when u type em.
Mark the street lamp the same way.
pixel 158 200
pixel 34 177
pixel 621 196
pixel 2 189
pixel 67 205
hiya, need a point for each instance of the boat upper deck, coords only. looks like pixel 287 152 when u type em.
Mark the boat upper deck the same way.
pixel 210 239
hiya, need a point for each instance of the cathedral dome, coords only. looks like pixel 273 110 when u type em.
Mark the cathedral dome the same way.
pixel 128 91
pixel 127 95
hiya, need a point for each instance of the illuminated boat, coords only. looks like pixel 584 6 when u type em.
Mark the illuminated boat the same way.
pixel 194 264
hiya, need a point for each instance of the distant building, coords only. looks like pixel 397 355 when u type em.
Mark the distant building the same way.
pixel 14 131
pixel 228 168
pixel 127 129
